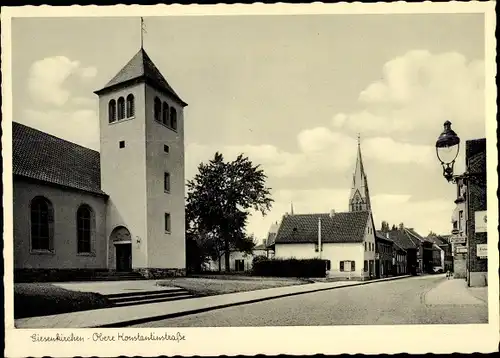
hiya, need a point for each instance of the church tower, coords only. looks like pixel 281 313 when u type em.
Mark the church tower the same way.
pixel 142 170
pixel 359 199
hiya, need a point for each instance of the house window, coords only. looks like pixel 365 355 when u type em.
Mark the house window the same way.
pixel 121 108
pixel 42 220
pixel 165 114
pixel 157 109
pixel 122 144
pixel 460 218
pixel 341 266
pixel 130 106
pixel 365 267
pixel 166 182
pixel 353 265
pixel 346 266
pixel 112 111
pixel 167 222
pixel 166 148
pixel 239 265
pixel 366 246
pixel 84 229
pixel 316 247
pixel 173 118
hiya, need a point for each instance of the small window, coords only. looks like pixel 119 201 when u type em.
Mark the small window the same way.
pixel 166 182
pixel 342 266
pixel 112 111
pixel 42 220
pixel 122 144
pixel 166 148
pixel 84 229
pixel 130 106
pixel 167 222
pixel 365 267
pixel 366 246
pixel 157 109
pixel 353 265
pixel 164 117
pixel 121 108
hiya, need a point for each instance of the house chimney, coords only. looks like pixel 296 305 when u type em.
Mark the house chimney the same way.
pixel 332 213
pixel 387 235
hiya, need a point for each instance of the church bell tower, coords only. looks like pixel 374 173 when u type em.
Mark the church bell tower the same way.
pixel 359 199
pixel 142 170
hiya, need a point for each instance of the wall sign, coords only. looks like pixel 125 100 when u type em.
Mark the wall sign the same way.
pixel 461 250
pixel 482 250
pixel 457 240
pixel 480 221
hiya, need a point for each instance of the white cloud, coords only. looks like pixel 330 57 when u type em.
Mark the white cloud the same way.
pixel 47 78
pixel 81 126
pixel 418 92
pixel 387 150
pixel 84 102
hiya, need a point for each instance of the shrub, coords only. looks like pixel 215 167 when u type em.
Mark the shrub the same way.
pixel 290 267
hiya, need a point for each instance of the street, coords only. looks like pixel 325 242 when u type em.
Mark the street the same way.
pixel 415 300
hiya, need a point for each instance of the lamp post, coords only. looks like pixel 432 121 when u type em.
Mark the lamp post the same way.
pixel 447 150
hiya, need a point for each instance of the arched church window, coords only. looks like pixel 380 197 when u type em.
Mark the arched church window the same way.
pixel 42 220
pixel 157 109
pixel 112 111
pixel 173 118
pixel 121 108
pixel 130 106
pixel 165 113
pixel 84 229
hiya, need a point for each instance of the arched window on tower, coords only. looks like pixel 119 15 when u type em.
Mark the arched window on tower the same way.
pixel 165 114
pixel 157 109
pixel 173 118
pixel 130 106
pixel 42 221
pixel 121 108
pixel 84 229
pixel 112 111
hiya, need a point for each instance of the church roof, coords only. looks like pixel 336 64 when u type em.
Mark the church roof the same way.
pixel 40 156
pixel 338 228
pixel 141 68
pixel 360 180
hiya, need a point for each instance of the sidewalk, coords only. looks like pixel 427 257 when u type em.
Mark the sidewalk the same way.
pixel 456 292
pixel 124 316
pixel 114 287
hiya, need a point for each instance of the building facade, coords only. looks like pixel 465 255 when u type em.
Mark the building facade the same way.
pixel 384 255
pixel 120 209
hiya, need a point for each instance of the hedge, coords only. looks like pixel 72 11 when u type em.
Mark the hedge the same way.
pixel 263 266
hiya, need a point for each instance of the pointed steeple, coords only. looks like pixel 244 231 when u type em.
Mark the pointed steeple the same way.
pixel 359 199
pixel 141 69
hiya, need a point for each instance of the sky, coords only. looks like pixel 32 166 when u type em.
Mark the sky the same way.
pixel 290 92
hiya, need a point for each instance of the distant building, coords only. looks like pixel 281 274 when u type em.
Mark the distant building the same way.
pixel 384 247
pixel 418 250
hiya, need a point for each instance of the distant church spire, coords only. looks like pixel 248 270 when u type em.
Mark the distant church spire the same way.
pixel 359 199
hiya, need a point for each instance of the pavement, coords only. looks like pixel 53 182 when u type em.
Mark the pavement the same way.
pixel 397 302
pixel 127 316
pixel 456 292
pixel 114 287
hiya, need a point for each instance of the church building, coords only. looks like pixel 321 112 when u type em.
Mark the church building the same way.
pixel 346 239
pixel 78 212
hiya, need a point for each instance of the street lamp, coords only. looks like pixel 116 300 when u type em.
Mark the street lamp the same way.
pixel 447 149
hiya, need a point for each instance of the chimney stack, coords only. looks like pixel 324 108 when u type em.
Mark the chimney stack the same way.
pixel 387 235
pixel 332 213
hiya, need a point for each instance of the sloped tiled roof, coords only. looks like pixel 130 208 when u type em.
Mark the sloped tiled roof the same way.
pixel 41 156
pixel 381 235
pixel 141 67
pixel 402 239
pixel 339 228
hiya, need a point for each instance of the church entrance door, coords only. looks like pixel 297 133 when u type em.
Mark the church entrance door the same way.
pixel 123 257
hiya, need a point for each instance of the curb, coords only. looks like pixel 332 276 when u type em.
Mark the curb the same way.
pixel 216 307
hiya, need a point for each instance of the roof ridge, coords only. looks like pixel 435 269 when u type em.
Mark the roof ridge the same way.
pixel 56 137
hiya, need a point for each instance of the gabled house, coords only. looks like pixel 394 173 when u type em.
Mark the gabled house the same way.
pixel 346 239
pixel 384 247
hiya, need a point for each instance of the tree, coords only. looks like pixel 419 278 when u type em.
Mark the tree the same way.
pixel 219 200
pixel 393 227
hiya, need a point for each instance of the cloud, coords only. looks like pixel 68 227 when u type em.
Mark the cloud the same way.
pixel 84 102
pixel 48 76
pixel 80 126
pixel 417 93
pixel 385 149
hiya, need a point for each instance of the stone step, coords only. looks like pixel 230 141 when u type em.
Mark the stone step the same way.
pixel 146 300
